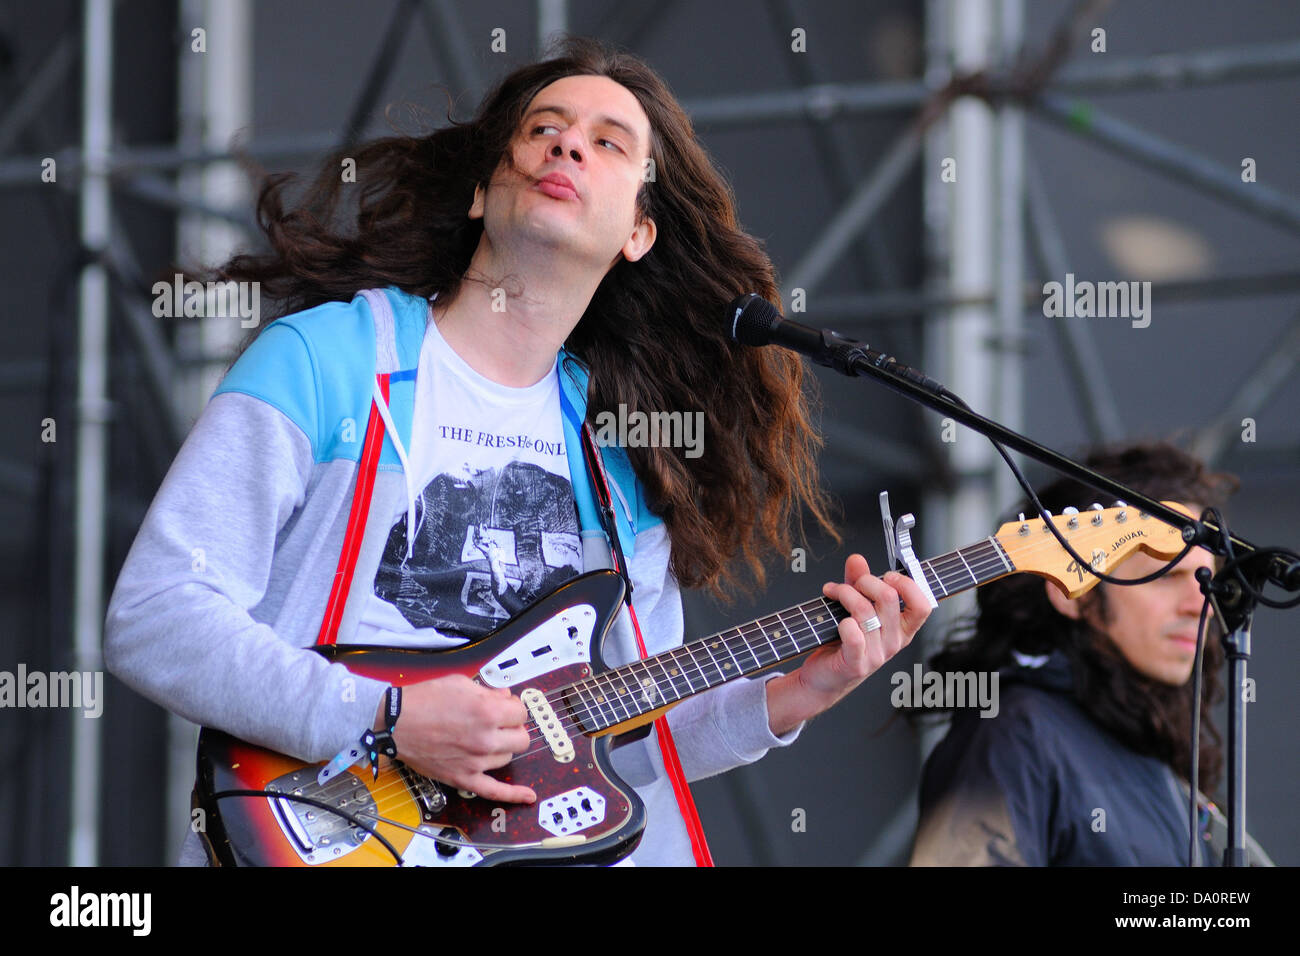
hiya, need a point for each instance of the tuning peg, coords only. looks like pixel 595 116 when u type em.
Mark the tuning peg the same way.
pixel 1024 525
pixel 1096 519
pixel 1123 511
pixel 1047 519
pixel 1074 517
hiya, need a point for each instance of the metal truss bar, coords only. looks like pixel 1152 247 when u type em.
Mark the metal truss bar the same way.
pixel 1175 161
pixel 822 102
pixel 1168 70
pixel 1195 290
pixel 1259 385
pixel 25 170
pixel 862 309
pixel 446 33
pixel 1096 399
pixel 873 255
pixel 861 206
pixel 156 356
pixel 381 68
pixel 36 91
pixel 828 101
pixel 163 193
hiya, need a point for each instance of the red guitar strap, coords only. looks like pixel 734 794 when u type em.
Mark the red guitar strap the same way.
pixel 356 527
pixel 672 763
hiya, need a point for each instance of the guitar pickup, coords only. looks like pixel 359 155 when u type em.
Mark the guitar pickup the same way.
pixel 543 714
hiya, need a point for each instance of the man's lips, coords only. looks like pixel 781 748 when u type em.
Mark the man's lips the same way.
pixel 557 186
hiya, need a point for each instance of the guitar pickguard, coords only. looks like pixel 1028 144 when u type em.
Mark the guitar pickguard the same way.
pixel 564 639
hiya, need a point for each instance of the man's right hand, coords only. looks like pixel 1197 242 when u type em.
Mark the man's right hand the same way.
pixel 454 730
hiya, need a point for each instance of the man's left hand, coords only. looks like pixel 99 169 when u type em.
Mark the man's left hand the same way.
pixel 831 672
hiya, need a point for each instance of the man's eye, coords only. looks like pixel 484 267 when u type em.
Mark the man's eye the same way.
pixel 610 143
pixel 538 129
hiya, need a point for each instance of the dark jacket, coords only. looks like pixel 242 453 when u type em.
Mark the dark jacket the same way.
pixel 1042 784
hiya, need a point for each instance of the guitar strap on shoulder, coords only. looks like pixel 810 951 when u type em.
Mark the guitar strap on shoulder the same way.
pixel 672 763
pixel 356 527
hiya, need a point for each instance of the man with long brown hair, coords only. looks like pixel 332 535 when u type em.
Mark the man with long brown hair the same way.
pixel 565 254
pixel 1084 759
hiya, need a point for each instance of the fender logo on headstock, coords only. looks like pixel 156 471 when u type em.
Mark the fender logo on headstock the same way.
pixel 1098 563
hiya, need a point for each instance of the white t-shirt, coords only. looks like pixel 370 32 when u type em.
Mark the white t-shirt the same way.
pixel 496 527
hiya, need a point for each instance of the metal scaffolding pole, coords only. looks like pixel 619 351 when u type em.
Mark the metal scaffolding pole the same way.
pixel 215 100
pixel 93 413
pixel 1177 162
pixel 552 20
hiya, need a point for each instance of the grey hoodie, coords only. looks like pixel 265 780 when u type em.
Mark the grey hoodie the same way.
pixel 225 585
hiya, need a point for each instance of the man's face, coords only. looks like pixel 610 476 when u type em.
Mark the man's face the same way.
pixel 1154 625
pixel 579 158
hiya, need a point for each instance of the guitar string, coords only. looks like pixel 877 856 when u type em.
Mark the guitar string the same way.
pixel 952 572
pixel 953 568
pixel 990 558
pixel 963 568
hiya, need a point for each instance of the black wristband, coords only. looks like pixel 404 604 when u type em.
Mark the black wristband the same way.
pixel 382 742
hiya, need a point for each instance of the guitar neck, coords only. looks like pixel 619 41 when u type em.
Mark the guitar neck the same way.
pixel 625 696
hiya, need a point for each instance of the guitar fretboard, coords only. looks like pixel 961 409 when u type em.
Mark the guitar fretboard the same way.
pixel 636 689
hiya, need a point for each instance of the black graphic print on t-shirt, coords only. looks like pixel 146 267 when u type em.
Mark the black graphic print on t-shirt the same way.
pixel 485 548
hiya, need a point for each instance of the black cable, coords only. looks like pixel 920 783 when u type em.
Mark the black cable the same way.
pixel 321 804
pixel 1056 533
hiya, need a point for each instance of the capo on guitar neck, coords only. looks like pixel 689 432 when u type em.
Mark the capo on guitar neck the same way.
pixel 898 548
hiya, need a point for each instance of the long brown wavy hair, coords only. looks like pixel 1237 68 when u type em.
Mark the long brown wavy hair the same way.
pixel 652 337
pixel 1014 614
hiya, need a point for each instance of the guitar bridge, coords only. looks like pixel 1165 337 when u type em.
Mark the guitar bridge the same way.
pixel 316 834
pixel 428 795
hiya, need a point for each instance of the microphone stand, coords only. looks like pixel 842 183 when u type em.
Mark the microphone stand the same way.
pixel 1234 603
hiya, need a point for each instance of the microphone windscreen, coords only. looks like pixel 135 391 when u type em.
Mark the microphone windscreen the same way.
pixel 752 319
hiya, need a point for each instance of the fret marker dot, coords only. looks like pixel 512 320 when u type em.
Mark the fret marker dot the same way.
pixel 726 665
pixel 673 672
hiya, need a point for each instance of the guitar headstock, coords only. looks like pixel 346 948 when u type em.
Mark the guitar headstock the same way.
pixel 1104 536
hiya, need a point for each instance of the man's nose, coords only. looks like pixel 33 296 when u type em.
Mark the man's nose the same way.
pixel 570 143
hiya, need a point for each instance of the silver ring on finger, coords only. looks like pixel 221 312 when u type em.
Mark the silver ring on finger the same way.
pixel 869 624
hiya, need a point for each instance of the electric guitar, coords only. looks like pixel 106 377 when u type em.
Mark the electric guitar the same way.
pixel 265 809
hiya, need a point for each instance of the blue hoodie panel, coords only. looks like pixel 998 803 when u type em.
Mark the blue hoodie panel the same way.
pixel 316 367
pixel 573 399
pixel 411 316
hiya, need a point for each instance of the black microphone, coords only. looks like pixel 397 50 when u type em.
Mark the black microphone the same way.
pixel 755 321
